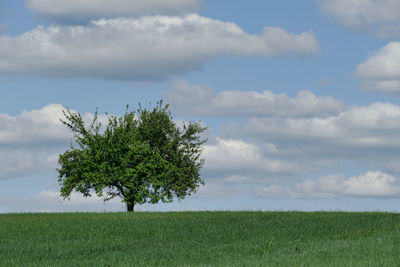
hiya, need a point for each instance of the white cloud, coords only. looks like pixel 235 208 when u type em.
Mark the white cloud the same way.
pixel 237 161
pixel 31 141
pixel 381 72
pixel 147 48
pixel 376 17
pixel 270 150
pixel 383 64
pixel 371 184
pixel 16 163
pixel 204 100
pixel 363 127
pixel 84 10
pixel 273 151
pixel 39 127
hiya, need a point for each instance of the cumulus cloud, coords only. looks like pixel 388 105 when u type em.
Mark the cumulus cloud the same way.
pixel 204 100
pixel 377 17
pixel 284 148
pixel 371 184
pixel 237 161
pixel 16 163
pixel 358 128
pixel 39 127
pixel 30 142
pixel 381 72
pixel 359 135
pixel 272 152
pixel 85 10
pixel 146 48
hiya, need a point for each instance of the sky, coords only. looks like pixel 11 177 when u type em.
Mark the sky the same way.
pixel 301 97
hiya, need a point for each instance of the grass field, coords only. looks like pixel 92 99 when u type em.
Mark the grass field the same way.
pixel 200 239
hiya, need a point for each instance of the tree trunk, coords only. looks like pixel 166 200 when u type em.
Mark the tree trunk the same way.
pixel 129 207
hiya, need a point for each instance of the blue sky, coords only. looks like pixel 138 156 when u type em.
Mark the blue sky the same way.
pixel 302 97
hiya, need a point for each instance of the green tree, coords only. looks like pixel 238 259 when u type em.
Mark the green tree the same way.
pixel 142 157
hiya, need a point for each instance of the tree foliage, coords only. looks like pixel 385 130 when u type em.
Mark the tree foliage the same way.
pixel 141 157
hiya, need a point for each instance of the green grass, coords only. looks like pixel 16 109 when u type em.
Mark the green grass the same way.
pixel 200 239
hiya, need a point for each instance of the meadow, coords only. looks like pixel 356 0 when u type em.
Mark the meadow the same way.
pixel 200 239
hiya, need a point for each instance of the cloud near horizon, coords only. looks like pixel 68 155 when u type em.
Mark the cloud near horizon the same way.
pixel 140 49
pixel 370 184
pixel 50 201
pixel 267 151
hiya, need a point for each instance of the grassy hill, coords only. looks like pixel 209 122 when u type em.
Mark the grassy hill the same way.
pixel 200 239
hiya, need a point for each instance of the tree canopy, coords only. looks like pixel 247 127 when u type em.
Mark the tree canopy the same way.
pixel 141 157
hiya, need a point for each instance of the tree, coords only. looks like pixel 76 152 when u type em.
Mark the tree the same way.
pixel 142 157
